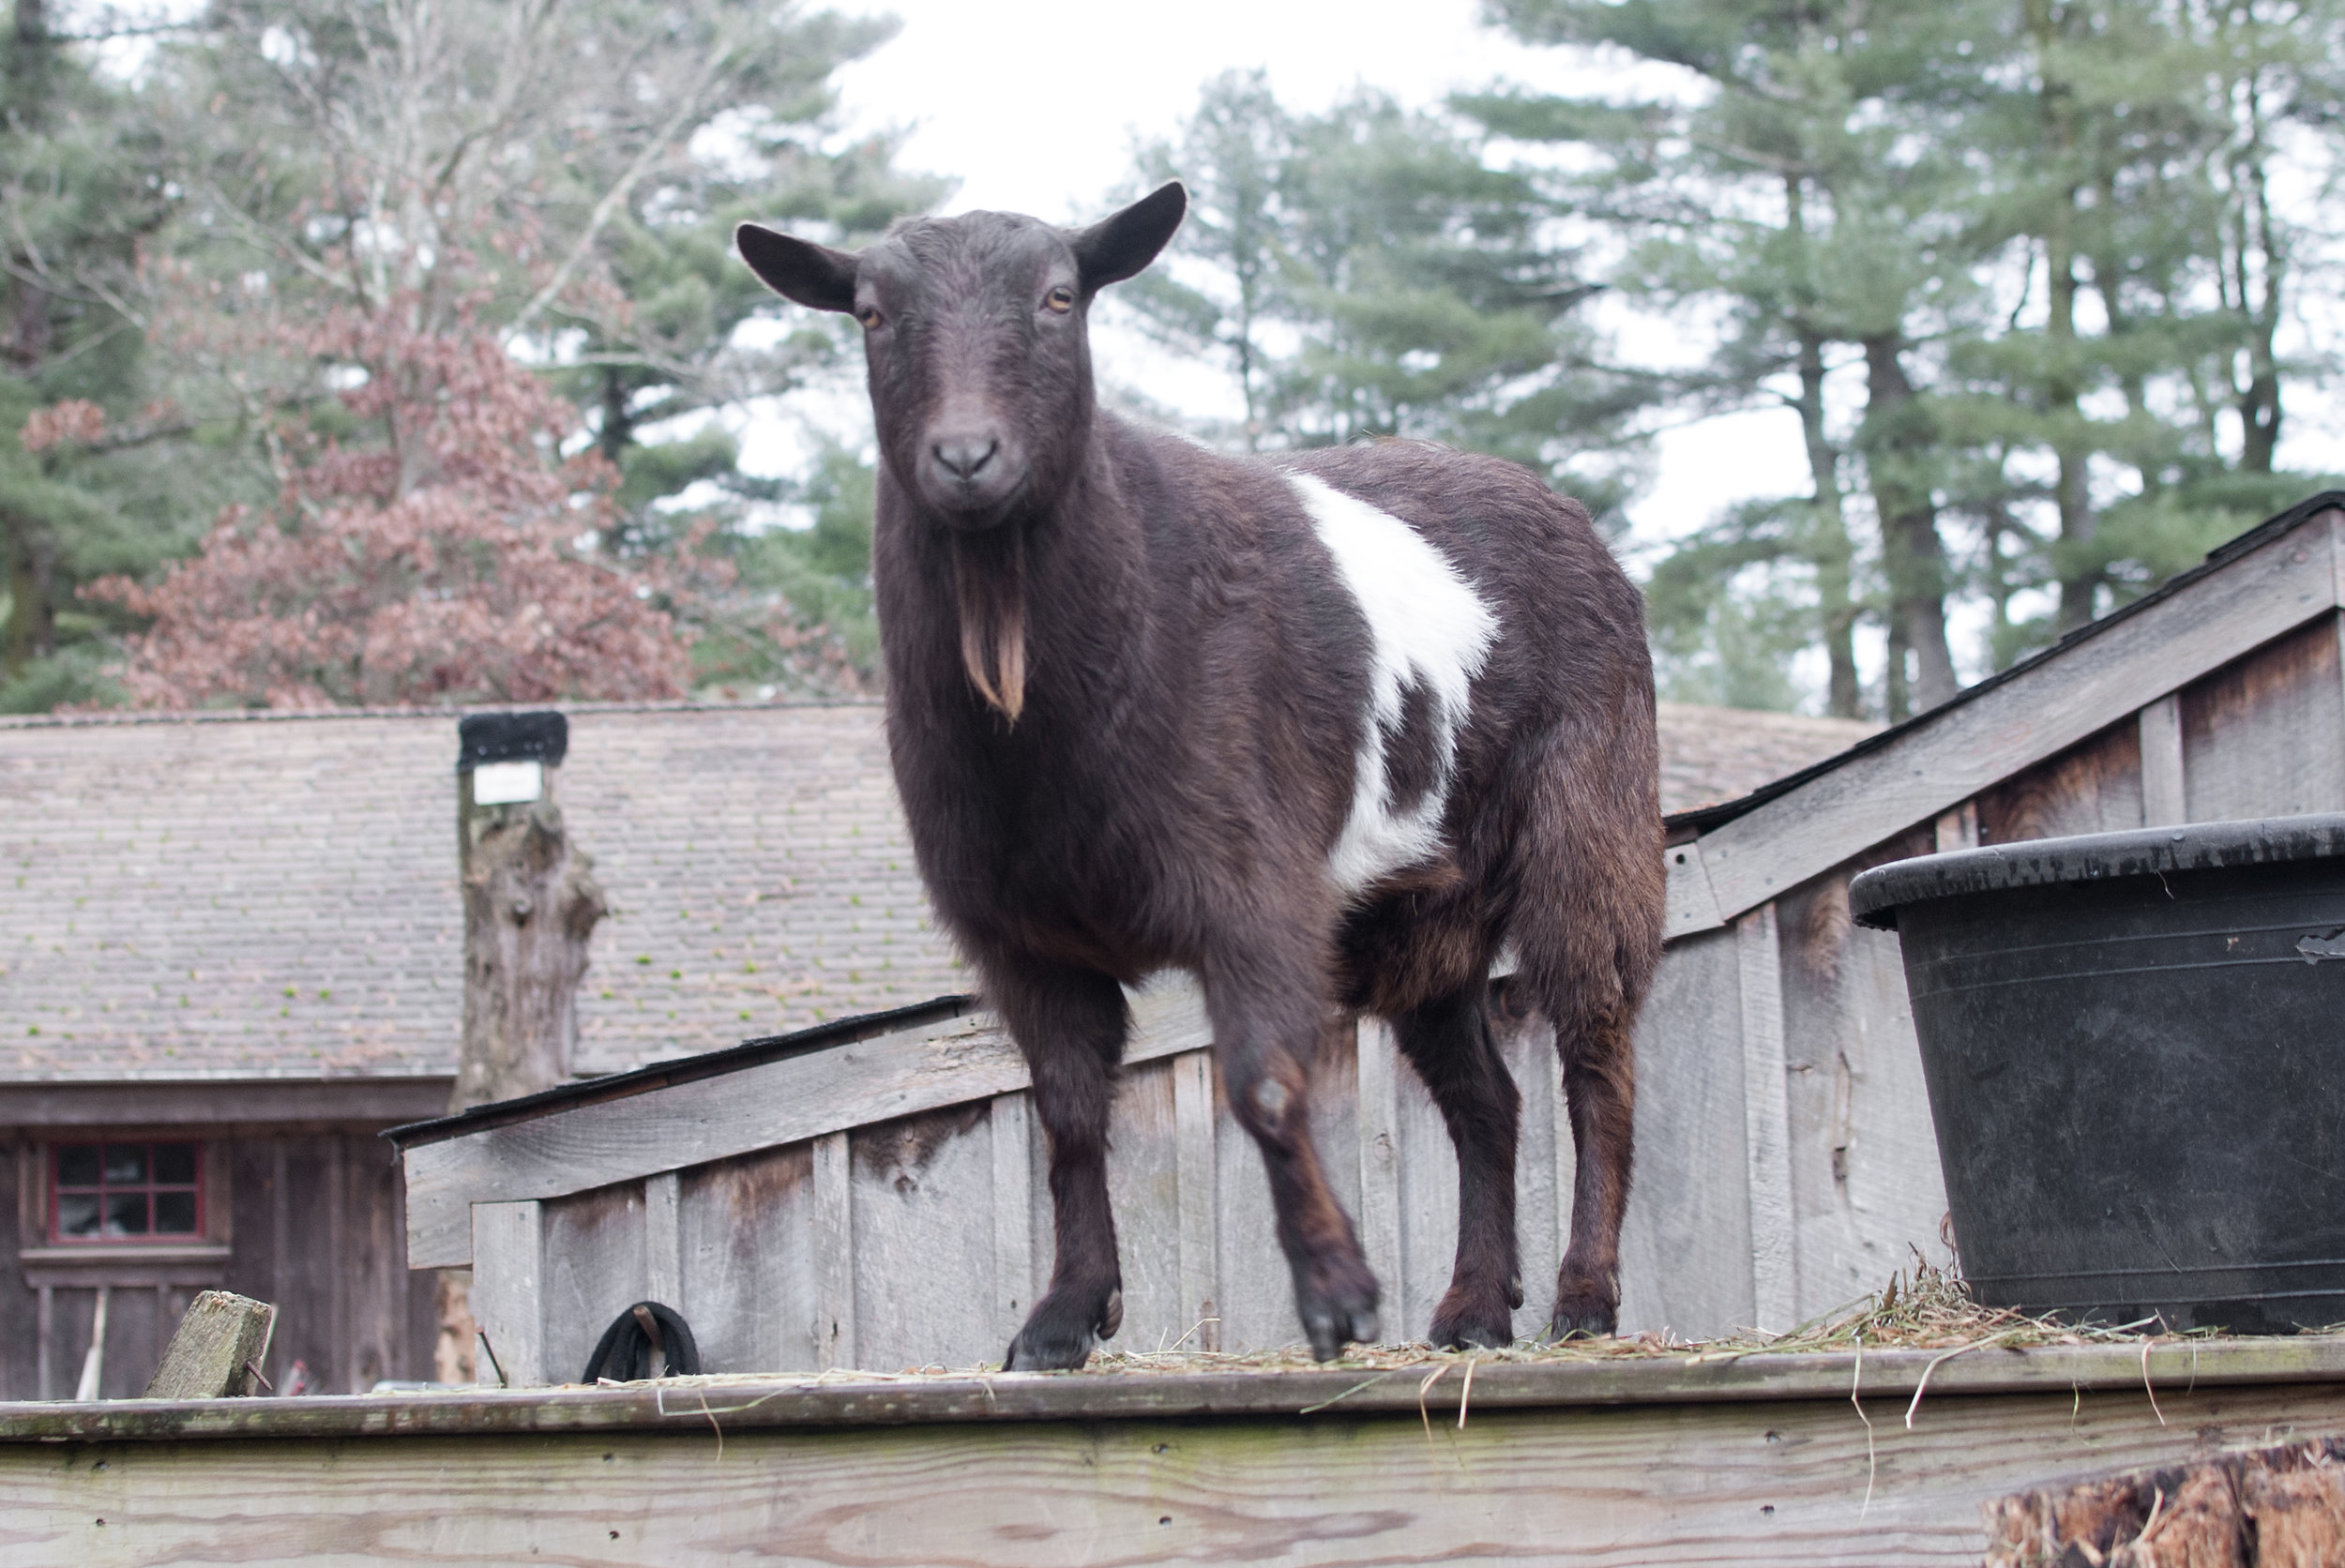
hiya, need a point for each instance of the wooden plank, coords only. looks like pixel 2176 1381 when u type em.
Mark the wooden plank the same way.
pixel 663 1239
pixel 868 1081
pixel 1958 829
pixel 2093 787
pixel 508 1253
pixel 1969 745
pixel 832 1243
pixel 1767 1131
pixel 1379 1072
pixel 1529 1052
pixel 1010 1123
pixel 921 1205
pixel 821 1400
pixel 748 1260
pixel 2164 800
pixel 1143 1186
pixel 1193 1120
pixel 1807 1482
pixel 592 1247
pixel 1686 1246
pixel 2264 736
pixel 1864 1179
pixel 1690 904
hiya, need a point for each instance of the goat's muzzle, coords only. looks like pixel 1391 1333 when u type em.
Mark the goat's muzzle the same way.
pixel 971 476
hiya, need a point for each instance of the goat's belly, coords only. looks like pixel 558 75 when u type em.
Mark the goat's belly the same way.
pixel 1430 633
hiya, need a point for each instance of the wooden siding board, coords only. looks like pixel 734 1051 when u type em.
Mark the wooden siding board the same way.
pixel 1867 1190
pixel 2165 795
pixel 1144 1188
pixel 879 1079
pixel 921 1191
pixel 1194 1118
pixel 2094 786
pixel 2102 679
pixel 749 1290
pixel 1540 1215
pixel 1685 1246
pixel 1767 1131
pixel 2264 736
pixel 507 1290
pixel 592 1247
pixel 1012 1140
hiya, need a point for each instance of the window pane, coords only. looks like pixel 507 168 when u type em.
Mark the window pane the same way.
pixel 174 1213
pixel 126 1164
pixel 174 1165
pixel 77 1212
pixel 77 1165
pixel 125 1214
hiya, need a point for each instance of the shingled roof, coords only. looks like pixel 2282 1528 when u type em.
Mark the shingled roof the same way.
pixel 268 896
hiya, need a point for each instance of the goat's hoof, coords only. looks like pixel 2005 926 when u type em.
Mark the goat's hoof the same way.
pixel 1331 1329
pixel 1058 1336
pixel 1044 1351
pixel 1462 1322
pixel 1583 1315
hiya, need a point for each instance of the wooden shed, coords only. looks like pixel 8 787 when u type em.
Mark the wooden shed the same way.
pixel 874 1195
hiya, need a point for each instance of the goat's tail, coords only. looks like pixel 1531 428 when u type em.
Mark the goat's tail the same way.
pixel 991 586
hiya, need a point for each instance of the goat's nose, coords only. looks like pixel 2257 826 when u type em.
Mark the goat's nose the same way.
pixel 963 457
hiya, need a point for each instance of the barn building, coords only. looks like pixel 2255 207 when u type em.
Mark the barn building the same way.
pixel 231 955
pixel 872 1195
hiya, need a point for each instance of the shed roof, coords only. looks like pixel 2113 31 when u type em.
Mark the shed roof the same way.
pixel 2269 581
pixel 274 896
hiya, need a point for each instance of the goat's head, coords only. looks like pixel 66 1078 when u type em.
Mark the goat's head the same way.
pixel 976 330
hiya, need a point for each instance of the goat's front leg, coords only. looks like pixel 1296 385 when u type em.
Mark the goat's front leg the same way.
pixel 1071 1024
pixel 1265 1034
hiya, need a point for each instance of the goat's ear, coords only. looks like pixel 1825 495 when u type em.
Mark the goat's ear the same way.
pixel 1122 243
pixel 799 269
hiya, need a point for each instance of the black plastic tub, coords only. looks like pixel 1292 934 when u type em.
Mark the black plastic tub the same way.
pixel 2135 1049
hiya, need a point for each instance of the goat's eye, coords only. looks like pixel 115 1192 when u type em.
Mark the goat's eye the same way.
pixel 1061 299
pixel 870 317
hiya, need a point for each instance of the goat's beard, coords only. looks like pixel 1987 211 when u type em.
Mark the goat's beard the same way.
pixel 989 588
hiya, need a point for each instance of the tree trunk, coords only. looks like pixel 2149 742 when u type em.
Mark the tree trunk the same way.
pixel 1896 438
pixel 2079 572
pixel 531 902
pixel 1829 548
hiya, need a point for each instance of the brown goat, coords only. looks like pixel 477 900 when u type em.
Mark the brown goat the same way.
pixel 1325 730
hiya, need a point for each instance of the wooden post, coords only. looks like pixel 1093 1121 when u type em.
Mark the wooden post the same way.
pixel 217 1353
pixel 531 903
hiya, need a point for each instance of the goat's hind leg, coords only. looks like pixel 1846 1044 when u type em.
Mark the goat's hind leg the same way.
pixel 1071 1025
pixel 1448 1042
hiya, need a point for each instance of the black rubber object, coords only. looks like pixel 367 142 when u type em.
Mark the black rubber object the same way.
pixel 2135 1049
pixel 623 1352
pixel 539 736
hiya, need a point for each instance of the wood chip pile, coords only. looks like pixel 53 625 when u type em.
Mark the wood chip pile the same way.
pixel 2274 1508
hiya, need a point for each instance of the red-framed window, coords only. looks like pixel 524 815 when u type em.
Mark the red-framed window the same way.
pixel 125 1192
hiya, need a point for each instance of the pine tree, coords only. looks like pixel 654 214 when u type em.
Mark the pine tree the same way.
pixel 1368 272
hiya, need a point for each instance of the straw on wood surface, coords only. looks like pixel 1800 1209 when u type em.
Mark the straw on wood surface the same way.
pixel 1921 1308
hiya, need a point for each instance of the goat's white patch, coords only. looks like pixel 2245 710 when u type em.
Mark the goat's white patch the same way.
pixel 1426 627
